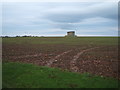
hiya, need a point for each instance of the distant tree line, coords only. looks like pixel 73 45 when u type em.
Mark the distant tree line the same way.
pixel 21 36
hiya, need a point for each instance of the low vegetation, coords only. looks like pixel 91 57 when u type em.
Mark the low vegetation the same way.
pixel 19 75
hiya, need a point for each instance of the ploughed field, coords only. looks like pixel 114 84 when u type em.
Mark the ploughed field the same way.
pixel 94 55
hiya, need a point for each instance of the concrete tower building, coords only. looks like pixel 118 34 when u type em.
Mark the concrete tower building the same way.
pixel 71 33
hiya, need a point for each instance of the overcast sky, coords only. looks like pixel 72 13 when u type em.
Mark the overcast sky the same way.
pixel 56 18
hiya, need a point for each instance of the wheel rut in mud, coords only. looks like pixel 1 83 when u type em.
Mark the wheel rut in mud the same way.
pixel 73 62
pixel 51 61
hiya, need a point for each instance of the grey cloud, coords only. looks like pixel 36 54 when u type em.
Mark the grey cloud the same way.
pixel 63 15
pixel 64 26
pixel 74 13
pixel 65 18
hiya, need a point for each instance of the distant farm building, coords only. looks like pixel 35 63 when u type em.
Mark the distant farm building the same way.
pixel 71 33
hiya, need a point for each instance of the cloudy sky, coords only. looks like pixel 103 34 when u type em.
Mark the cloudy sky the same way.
pixel 56 18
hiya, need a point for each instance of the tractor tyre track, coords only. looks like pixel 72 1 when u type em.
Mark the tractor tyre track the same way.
pixel 26 56
pixel 73 62
pixel 50 62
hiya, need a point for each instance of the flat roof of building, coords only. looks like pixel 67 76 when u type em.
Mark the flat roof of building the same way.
pixel 70 31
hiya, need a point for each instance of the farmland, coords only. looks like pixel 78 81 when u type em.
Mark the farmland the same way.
pixel 93 55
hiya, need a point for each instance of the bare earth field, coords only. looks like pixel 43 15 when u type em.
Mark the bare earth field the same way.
pixel 95 55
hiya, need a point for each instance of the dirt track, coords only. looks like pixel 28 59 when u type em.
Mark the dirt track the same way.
pixel 51 61
pixel 73 62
